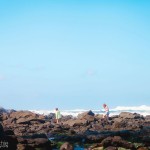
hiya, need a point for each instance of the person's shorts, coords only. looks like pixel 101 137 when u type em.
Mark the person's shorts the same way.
pixel 107 113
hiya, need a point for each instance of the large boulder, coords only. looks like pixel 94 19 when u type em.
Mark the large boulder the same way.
pixel 127 115
pixel 21 114
pixel 25 117
pixel 82 119
pixel 31 119
pixel 84 114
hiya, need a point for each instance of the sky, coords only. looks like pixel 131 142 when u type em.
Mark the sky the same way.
pixel 74 54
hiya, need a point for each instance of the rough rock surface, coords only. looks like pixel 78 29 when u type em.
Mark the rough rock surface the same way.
pixel 27 130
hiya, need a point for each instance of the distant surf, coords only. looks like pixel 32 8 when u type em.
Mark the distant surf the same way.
pixel 143 110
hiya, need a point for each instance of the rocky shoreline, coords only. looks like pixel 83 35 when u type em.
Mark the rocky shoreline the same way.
pixel 24 130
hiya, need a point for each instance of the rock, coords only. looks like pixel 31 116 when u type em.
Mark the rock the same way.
pixel 1 117
pixel 31 129
pixel 1 131
pixel 146 140
pixel 66 146
pixel 40 143
pixel 24 147
pixel 121 124
pixel 22 140
pixel 117 141
pixel 95 138
pixel 30 120
pixel 50 116
pixel 22 114
pixel 8 139
pixel 66 118
pixel 9 121
pixel 76 122
pixel 5 116
pixel 107 142
pixel 118 120
pixel 34 136
pixel 11 110
pixel 97 146
pixel 71 131
pixel 83 115
pixel 142 148
pixel 2 110
pixel 8 131
pixel 97 127
pixel 147 118
pixel 98 116
pixel 111 148
pixel 47 125
pixel 128 115
pixel 12 142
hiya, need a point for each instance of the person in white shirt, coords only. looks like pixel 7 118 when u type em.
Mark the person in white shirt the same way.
pixel 106 114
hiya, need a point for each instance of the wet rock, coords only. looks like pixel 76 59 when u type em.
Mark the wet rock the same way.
pixel 142 148
pixel 97 146
pixel 117 141
pixel 41 143
pixel 111 148
pixel 24 147
pixel 66 146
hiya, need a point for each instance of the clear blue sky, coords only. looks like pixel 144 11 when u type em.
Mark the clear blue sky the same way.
pixel 74 54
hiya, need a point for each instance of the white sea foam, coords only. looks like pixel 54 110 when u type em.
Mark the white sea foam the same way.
pixel 143 110
pixel 134 108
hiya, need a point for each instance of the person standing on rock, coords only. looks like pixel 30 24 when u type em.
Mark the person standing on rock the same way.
pixel 57 115
pixel 106 114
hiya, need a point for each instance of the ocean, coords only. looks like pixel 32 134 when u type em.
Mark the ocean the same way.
pixel 143 110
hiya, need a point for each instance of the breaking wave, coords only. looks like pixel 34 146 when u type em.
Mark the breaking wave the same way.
pixel 143 110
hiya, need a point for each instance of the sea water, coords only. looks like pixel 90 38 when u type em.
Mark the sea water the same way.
pixel 143 110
